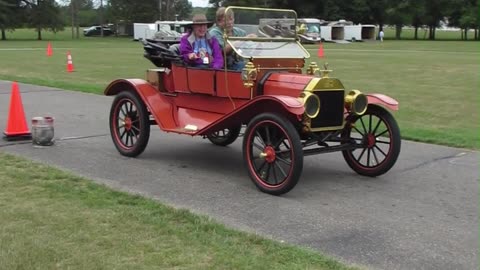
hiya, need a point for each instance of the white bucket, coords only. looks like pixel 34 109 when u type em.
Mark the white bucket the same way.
pixel 42 130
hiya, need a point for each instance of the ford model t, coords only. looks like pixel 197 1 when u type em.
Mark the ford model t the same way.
pixel 289 109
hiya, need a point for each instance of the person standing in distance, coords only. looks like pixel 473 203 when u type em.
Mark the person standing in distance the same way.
pixel 380 35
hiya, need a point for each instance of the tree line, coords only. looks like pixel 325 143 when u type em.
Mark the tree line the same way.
pixel 52 15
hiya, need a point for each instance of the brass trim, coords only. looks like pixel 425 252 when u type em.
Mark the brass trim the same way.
pixel 324 84
pixel 311 85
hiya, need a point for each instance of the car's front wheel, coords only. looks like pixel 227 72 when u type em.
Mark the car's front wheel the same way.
pixel 378 133
pixel 273 153
pixel 129 124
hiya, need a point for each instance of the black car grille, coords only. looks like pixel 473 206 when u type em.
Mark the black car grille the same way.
pixel 331 109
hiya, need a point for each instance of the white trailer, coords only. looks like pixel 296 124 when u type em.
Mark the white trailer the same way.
pixel 332 33
pixel 144 30
pixel 360 32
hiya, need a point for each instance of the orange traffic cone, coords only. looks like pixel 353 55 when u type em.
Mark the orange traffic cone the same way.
pixel 49 49
pixel 17 128
pixel 320 50
pixel 69 62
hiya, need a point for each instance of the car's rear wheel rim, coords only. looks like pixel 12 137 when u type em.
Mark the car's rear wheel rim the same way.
pixel 127 123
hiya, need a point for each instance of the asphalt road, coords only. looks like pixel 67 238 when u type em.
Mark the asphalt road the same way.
pixel 423 214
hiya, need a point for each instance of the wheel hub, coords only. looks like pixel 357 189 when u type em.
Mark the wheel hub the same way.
pixel 371 140
pixel 269 154
pixel 128 123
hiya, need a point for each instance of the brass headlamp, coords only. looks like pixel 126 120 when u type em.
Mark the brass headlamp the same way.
pixel 356 102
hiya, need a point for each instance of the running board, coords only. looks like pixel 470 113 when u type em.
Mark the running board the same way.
pixel 330 149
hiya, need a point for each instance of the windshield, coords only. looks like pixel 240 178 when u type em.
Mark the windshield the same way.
pixel 265 33
pixel 313 28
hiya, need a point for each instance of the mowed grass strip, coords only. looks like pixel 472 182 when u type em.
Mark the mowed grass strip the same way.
pixel 50 219
pixel 436 82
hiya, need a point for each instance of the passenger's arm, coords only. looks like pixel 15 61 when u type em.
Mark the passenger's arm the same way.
pixel 186 51
pixel 217 62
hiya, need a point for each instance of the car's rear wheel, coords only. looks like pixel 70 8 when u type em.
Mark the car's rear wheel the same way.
pixel 379 134
pixel 129 124
pixel 225 136
pixel 272 153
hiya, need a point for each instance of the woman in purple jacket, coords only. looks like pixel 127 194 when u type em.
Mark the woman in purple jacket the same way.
pixel 198 48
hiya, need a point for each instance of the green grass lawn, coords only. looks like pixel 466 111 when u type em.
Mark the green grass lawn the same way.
pixel 436 82
pixel 54 220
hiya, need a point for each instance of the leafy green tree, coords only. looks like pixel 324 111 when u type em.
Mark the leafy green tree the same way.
pixel 145 11
pixel 10 16
pixel 44 15
pixel 399 14
pixel 183 8
pixel 417 8
pixel 435 10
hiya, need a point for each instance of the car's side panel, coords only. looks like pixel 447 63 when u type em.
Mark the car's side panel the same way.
pixel 234 88
pixel 206 103
pixel 383 100
pixel 180 80
pixel 201 81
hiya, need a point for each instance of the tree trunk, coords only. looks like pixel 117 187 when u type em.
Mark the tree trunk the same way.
pixel 461 34
pixel 416 33
pixel 466 31
pixel 4 37
pixel 476 34
pixel 398 31
pixel 432 32
pixel 39 34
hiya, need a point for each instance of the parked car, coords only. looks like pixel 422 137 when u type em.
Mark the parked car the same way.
pixel 287 112
pixel 96 31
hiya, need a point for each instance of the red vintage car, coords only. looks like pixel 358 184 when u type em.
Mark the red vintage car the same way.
pixel 289 110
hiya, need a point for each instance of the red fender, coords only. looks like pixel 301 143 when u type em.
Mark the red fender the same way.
pixel 149 94
pixel 383 100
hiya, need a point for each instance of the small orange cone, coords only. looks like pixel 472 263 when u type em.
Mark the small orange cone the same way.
pixel 320 50
pixel 69 62
pixel 49 49
pixel 17 128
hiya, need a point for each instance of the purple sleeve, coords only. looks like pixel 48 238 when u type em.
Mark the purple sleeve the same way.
pixel 185 48
pixel 217 62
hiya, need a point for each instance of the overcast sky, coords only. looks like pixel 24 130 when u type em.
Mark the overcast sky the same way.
pixel 199 3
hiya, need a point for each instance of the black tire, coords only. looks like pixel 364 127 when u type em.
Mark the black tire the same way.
pixel 279 143
pixel 129 124
pixel 225 136
pixel 378 131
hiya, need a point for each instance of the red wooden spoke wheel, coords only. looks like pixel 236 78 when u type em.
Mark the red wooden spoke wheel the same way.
pixel 379 134
pixel 129 124
pixel 273 153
